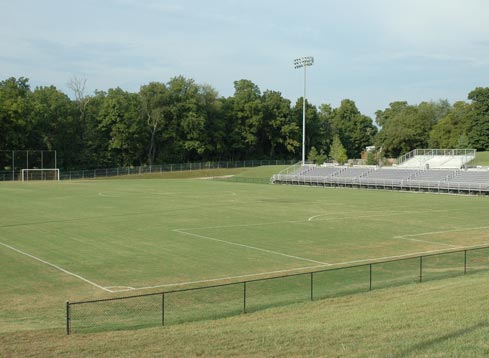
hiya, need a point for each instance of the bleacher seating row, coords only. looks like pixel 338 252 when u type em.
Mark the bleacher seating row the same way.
pixel 441 180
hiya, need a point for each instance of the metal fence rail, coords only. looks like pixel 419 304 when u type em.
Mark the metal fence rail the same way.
pixel 148 169
pixel 385 184
pixel 211 302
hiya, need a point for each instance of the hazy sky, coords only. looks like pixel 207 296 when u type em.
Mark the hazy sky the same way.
pixel 371 51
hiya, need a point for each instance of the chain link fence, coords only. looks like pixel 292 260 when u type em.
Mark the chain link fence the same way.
pixel 9 175
pixel 217 301
pixel 165 168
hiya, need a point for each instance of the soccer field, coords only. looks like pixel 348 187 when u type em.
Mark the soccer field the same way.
pixel 142 235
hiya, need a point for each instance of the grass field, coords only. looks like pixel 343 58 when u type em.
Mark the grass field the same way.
pixel 103 238
pixel 481 158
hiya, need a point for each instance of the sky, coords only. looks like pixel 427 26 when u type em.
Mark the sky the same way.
pixel 371 51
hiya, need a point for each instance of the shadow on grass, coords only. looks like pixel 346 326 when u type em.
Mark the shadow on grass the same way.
pixel 432 342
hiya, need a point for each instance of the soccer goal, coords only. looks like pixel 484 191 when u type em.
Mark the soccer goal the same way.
pixel 39 174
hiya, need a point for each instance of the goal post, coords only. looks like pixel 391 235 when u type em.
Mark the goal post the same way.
pixel 40 174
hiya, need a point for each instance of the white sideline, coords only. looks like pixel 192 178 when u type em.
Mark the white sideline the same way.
pixel 426 241
pixel 55 266
pixel 443 232
pixel 120 288
pixel 180 231
pixel 220 279
pixel 414 254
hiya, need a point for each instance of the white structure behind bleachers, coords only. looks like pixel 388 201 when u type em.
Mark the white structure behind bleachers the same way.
pixel 436 158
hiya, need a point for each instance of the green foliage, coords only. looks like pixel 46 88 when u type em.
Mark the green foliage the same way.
pixel 316 157
pixel 405 127
pixel 182 121
pixel 371 158
pixel 337 151
pixel 355 130
pixel 451 127
pixel 479 128
pixel 312 156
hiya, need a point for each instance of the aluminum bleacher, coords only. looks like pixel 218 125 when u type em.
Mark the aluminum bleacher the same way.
pixel 392 178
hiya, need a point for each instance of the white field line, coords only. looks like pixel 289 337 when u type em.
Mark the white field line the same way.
pixel 426 241
pixel 414 254
pixel 443 232
pixel 220 279
pixel 257 275
pixel 249 247
pixel 103 194
pixel 242 225
pixel 312 218
pixel 56 267
pixel 410 236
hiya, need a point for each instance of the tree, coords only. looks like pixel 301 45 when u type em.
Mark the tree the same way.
pixel 154 100
pixel 120 120
pixel 215 126
pixel 404 127
pixel 337 151
pixel 77 85
pixel 14 113
pixel 244 120
pixel 316 157
pixel 448 130
pixel 312 155
pixel 355 129
pixel 54 124
pixel 316 127
pixel 479 127
pixel 278 135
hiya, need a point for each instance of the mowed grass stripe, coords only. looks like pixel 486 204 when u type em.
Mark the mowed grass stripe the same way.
pixel 128 239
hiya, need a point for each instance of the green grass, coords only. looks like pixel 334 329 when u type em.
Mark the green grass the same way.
pixel 481 158
pixel 443 318
pixel 262 172
pixel 165 233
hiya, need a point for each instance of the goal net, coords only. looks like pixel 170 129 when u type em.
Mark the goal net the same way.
pixel 39 174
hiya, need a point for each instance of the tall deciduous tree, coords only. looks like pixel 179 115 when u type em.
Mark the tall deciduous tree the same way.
pixel 244 119
pixel 448 130
pixel 14 113
pixel 120 120
pixel 279 132
pixel 155 102
pixel 355 129
pixel 479 129
pixel 404 127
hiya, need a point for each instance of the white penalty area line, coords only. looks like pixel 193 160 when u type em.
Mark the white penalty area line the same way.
pixel 412 236
pixel 180 231
pixel 56 267
pixel 333 217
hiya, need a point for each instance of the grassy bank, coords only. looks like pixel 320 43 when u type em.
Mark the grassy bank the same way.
pixel 438 319
pixel 481 158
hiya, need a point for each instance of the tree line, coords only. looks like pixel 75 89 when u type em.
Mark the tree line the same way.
pixel 183 121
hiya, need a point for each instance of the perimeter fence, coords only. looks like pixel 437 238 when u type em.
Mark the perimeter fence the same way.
pixel 165 168
pixel 150 169
pixel 224 300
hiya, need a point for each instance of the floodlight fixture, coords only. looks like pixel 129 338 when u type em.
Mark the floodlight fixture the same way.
pixel 304 62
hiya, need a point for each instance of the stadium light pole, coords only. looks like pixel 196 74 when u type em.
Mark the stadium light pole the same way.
pixel 299 63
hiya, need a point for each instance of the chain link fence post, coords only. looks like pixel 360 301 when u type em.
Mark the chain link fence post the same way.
pixel 67 318
pixel 244 297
